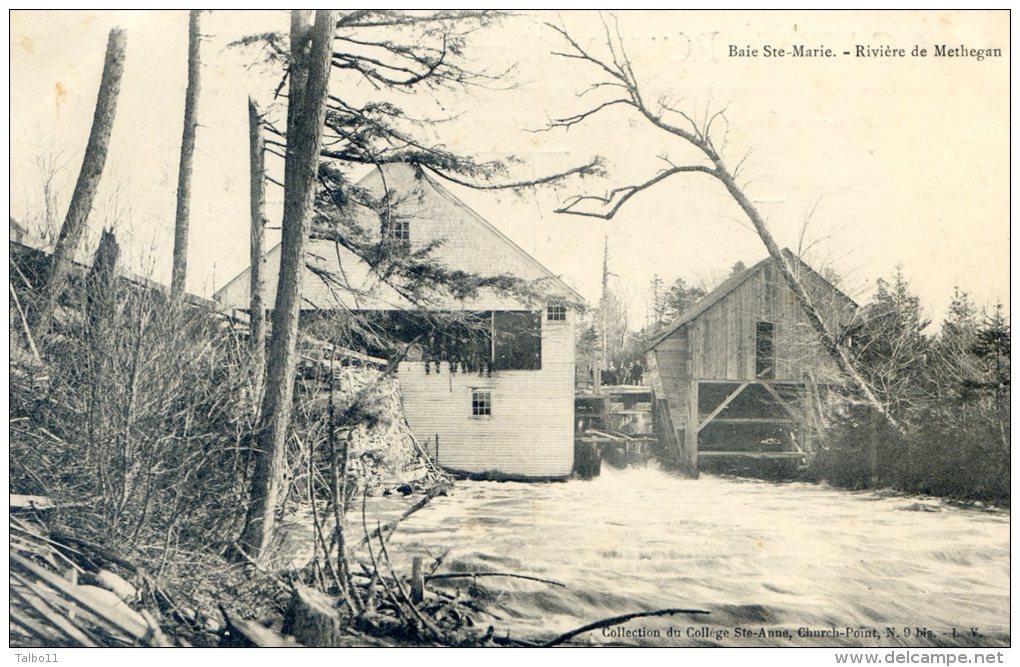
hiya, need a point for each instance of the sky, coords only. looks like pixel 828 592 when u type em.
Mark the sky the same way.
pixel 876 162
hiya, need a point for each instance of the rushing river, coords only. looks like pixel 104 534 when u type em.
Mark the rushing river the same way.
pixel 786 564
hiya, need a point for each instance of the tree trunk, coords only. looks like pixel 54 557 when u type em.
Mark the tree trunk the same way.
pixel 838 352
pixel 100 297
pixel 180 268
pixel 304 138
pixel 257 310
pixel 73 229
pixel 100 305
pixel 300 42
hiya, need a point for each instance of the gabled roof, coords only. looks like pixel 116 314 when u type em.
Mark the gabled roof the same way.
pixel 28 244
pixel 503 237
pixel 729 285
pixel 376 293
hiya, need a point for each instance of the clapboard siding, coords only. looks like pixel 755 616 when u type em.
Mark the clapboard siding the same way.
pixel 530 432
pixel 467 243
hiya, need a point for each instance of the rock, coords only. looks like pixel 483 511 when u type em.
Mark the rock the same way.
pixel 922 507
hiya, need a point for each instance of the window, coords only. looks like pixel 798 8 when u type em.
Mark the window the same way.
pixel 764 351
pixel 399 231
pixel 556 312
pixel 481 403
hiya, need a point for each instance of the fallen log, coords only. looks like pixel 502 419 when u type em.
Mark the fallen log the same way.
pixel 240 633
pixel 473 575
pixel 25 503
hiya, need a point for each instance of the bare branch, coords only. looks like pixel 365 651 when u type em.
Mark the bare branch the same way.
pixel 627 192
pixel 568 121
pixel 595 167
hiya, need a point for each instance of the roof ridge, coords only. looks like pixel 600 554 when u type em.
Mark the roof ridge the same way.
pixel 730 284
pixel 488 225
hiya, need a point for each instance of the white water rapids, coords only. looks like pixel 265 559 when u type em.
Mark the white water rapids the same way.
pixel 775 564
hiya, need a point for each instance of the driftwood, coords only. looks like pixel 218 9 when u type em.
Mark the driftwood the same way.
pixel 617 620
pixel 240 633
pixel 388 527
pixel 473 575
pixel 29 503
pixel 103 610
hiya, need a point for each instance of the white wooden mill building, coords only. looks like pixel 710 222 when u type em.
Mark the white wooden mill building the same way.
pixel 504 407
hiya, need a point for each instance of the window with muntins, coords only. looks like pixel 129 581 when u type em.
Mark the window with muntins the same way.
pixel 481 403
pixel 399 230
pixel 556 312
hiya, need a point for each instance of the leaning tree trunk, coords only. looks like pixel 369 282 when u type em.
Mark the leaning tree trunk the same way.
pixel 830 342
pixel 73 229
pixel 180 268
pixel 257 190
pixel 304 139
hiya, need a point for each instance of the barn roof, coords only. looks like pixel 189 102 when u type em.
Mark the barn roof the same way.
pixel 728 285
pixel 26 246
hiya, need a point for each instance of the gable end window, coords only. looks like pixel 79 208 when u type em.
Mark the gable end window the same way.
pixel 556 312
pixel 481 403
pixel 398 230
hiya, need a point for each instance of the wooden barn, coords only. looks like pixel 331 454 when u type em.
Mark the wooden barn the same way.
pixel 737 377
pixel 491 397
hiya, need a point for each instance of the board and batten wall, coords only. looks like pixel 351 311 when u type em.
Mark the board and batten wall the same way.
pixel 720 343
pixel 723 339
pixel 530 433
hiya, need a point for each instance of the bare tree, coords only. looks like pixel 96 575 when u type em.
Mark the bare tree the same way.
pixel 180 266
pixel 257 191
pixel 618 77
pixel 73 229
pixel 306 116
pixel 50 164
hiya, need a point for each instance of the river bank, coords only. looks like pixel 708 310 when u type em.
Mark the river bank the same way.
pixel 775 564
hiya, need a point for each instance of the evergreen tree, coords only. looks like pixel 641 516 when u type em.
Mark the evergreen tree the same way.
pixel 895 348
pixel 679 298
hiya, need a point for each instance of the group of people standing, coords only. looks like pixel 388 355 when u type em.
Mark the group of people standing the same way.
pixel 625 373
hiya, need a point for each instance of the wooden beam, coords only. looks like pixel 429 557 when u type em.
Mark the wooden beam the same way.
pixel 753 420
pixel 722 406
pixel 755 455
pixel 780 400
pixel 692 426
